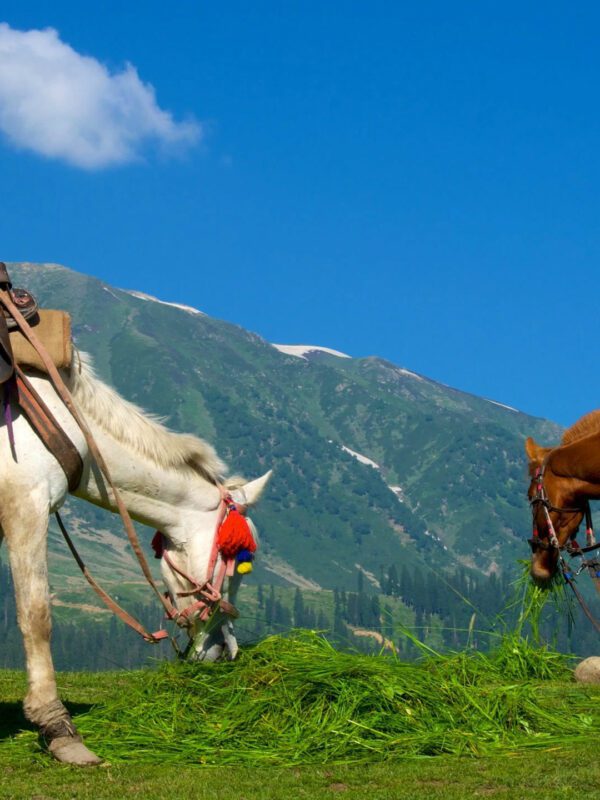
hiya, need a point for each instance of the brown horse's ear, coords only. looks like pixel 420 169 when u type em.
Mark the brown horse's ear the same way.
pixel 531 448
pixel 535 453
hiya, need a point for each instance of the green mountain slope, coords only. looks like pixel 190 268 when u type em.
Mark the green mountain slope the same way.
pixel 455 461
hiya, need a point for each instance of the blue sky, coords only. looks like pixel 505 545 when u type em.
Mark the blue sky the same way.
pixel 417 181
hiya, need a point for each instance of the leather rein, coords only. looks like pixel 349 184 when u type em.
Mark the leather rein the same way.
pixel 208 594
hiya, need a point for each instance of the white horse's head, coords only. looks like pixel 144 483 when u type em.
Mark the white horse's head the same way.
pixel 187 564
pixel 171 481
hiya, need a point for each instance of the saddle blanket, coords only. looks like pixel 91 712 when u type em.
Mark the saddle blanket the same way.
pixel 54 331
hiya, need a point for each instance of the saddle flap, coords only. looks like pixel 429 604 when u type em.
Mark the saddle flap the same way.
pixel 54 331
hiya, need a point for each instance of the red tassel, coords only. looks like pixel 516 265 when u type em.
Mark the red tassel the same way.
pixel 234 535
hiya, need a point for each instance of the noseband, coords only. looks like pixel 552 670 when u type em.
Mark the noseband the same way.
pixel 541 498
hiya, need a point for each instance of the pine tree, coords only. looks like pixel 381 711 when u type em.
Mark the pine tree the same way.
pixel 392 583
pixel 360 581
pixel 339 629
pixel 298 609
pixel 407 586
pixel 322 621
pixel 387 620
pixel 352 609
pixel 375 621
pixel 270 606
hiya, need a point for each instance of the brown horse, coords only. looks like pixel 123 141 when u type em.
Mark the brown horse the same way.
pixel 563 480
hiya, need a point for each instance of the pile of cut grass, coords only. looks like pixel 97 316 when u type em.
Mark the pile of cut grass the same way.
pixel 297 700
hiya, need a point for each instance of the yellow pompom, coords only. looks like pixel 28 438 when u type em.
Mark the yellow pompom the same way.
pixel 245 567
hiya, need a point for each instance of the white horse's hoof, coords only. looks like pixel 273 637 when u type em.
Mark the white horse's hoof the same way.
pixel 231 649
pixel 588 670
pixel 71 750
pixel 211 654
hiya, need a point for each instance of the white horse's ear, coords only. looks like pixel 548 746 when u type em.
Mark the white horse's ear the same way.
pixel 253 490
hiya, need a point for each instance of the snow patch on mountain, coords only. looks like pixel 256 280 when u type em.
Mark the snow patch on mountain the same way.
pixel 110 292
pixel 398 491
pixel 409 374
pixel 181 306
pixel 502 405
pixel 435 538
pixel 300 350
pixel 359 457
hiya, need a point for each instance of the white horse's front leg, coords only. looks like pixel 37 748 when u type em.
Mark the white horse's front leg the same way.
pixel 24 520
pixel 227 628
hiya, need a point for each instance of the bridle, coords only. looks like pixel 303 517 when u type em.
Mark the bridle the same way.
pixel 541 499
pixel 206 595
pixel 571 546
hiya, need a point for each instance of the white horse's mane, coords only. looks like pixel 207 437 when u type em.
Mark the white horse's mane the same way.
pixel 142 432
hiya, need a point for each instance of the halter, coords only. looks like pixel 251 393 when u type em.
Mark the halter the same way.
pixel 541 498
pixel 592 565
pixel 207 594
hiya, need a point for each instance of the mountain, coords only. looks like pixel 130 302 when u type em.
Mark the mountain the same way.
pixel 373 464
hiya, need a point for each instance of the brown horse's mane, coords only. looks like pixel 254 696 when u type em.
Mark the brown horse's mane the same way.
pixel 586 426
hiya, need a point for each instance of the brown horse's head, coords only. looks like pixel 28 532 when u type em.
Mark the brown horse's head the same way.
pixel 561 499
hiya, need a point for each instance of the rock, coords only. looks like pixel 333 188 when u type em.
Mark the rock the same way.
pixel 588 670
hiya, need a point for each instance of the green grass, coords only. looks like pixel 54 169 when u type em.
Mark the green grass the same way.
pixel 296 700
pixel 556 775
pixel 264 723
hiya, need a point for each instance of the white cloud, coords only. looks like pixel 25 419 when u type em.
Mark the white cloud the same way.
pixel 61 104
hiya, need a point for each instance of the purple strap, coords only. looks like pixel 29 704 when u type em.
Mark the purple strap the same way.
pixel 8 389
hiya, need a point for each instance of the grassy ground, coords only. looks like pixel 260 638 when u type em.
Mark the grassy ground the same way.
pixel 569 772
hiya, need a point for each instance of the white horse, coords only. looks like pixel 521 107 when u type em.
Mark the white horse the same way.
pixel 166 480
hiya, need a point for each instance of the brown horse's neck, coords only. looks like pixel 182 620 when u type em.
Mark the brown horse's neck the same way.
pixel 579 462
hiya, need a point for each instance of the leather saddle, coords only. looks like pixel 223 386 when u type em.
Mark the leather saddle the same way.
pixel 27 305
